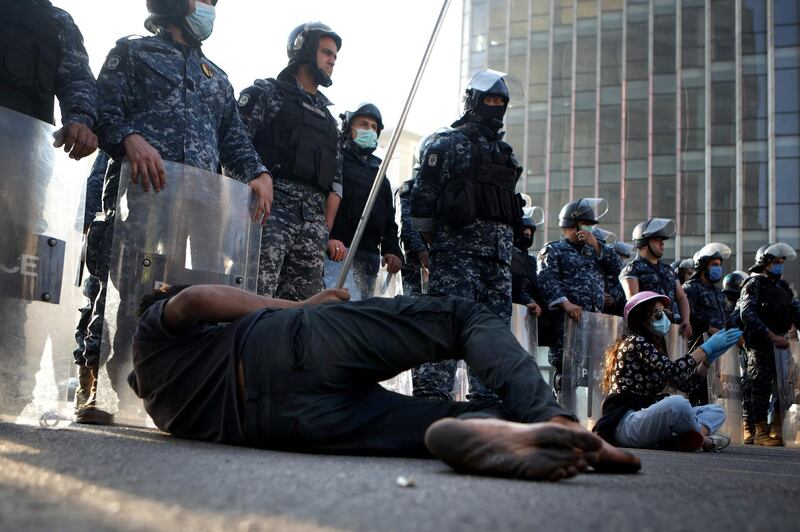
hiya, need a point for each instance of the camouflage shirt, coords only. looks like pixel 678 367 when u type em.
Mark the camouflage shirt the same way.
pixel 411 239
pixel 657 278
pixel 179 101
pixel 448 156
pixel 761 313
pixel 707 303
pixel 575 272
pixel 76 89
pixel 260 104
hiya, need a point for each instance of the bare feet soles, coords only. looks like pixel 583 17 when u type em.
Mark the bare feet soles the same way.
pixel 538 451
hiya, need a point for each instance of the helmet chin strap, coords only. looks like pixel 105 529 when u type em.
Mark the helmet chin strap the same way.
pixel 653 253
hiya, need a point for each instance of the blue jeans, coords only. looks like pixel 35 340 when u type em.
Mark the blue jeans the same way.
pixel 664 419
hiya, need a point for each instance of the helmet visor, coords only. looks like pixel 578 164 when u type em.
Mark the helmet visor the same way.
pixel 779 249
pixel 606 236
pixel 711 250
pixel 594 209
pixel 659 228
pixel 485 79
pixel 535 213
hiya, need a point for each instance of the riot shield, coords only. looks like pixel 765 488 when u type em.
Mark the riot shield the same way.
pixel 585 344
pixel 41 214
pixel 725 389
pixel 197 230
pixel 676 348
pixel 787 366
pixel 525 329
pixel 391 285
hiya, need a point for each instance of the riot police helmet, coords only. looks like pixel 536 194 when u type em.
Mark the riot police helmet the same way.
pixel 709 252
pixel 774 250
pixel 491 82
pixel 532 216
pixel 167 11
pixel 732 283
pixel 674 265
pixel 662 228
pixel 603 235
pixel 363 109
pixel 302 46
pixel 623 249
pixel 587 210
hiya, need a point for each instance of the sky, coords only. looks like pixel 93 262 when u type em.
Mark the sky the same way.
pixel 382 45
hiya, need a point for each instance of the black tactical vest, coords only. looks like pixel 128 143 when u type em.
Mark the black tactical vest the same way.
pixel 774 304
pixel 302 142
pixel 29 55
pixel 486 191
pixel 357 179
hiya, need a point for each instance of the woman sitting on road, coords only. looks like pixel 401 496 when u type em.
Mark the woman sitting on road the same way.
pixel 635 413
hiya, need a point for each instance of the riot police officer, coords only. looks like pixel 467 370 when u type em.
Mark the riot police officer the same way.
pixel 647 272
pixel 572 270
pixel 524 282
pixel 732 288
pixel 683 268
pixel 417 261
pixel 43 56
pixel 707 302
pixel 292 129
pixel 360 132
pixel 768 309
pixel 465 204
pixel 161 98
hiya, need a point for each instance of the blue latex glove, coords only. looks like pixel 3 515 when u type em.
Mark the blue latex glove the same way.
pixel 720 342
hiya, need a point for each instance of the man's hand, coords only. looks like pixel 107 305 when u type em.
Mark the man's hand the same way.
pixel 573 311
pixel 145 163
pixel 779 341
pixel 712 331
pixel 587 237
pixel 686 329
pixel 262 187
pixel 424 259
pixel 534 308
pixel 77 139
pixel 329 295
pixel 392 263
pixel 336 250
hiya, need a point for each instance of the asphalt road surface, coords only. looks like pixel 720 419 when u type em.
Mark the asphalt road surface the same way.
pixel 85 478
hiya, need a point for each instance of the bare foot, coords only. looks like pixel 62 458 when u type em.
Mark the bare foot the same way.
pixel 536 451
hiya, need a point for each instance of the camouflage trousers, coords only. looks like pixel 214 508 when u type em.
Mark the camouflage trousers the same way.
pixel 761 374
pixel 293 247
pixel 746 388
pixel 91 289
pixel 481 279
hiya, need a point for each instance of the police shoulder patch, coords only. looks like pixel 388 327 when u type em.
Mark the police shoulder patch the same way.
pixel 207 70
pixel 112 62
pixel 433 159
pixel 244 99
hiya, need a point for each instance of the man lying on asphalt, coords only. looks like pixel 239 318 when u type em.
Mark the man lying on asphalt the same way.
pixel 218 364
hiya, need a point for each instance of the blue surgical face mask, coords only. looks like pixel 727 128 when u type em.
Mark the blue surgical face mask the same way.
pixel 776 270
pixel 714 273
pixel 201 22
pixel 661 326
pixel 366 138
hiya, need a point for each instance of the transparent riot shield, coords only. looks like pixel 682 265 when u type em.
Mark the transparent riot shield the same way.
pixel 585 343
pixel 676 348
pixel 41 215
pixel 787 366
pixel 197 230
pixel 391 285
pixel 525 328
pixel 725 389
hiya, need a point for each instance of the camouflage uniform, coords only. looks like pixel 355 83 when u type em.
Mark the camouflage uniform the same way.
pixel 471 260
pixel 766 304
pixel 412 241
pixel 614 288
pixel 72 80
pixel 573 272
pixel 733 317
pixel 657 278
pixel 184 106
pixel 91 285
pixel 294 240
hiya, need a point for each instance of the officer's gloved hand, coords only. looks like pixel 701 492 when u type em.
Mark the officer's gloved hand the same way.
pixel 719 343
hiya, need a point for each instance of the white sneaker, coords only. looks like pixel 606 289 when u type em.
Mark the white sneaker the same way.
pixel 718 442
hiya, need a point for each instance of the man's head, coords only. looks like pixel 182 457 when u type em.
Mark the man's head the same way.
pixel 708 261
pixel 770 258
pixel 313 47
pixel 163 292
pixel 486 98
pixel 581 215
pixel 363 126
pixel 649 237
pixel 195 18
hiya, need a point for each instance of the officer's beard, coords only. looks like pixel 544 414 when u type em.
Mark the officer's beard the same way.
pixel 320 76
pixel 653 252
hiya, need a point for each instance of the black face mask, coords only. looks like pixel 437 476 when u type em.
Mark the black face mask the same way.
pixel 524 242
pixel 491 116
